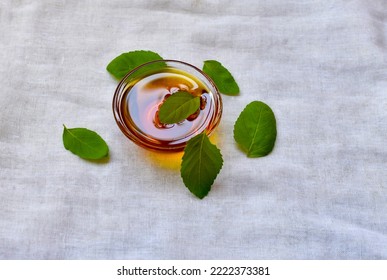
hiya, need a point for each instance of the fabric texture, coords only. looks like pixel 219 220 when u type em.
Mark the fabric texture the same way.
pixel 321 194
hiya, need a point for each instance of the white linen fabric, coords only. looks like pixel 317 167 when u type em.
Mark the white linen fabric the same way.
pixel 321 194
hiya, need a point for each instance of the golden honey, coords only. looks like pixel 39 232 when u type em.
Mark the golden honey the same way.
pixel 140 94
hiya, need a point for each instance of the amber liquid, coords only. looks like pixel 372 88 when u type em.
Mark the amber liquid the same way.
pixel 144 96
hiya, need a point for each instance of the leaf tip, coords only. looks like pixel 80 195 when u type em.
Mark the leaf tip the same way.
pixel 201 196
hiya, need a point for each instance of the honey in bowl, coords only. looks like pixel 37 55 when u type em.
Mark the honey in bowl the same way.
pixel 142 91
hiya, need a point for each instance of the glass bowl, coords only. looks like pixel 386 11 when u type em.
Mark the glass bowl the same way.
pixel 141 92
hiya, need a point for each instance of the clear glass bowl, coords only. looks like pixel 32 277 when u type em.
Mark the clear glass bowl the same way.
pixel 141 92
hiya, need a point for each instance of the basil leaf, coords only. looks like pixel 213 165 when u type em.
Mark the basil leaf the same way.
pixel 255 129
pixel 200 165
pixel 84 143
pixel 126 62
pixel 222 78
pixel 178 107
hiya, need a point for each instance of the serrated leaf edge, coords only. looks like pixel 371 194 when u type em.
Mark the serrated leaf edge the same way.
pixel 204 135
pixel 192 100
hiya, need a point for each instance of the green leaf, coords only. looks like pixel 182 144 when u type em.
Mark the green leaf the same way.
pixel 178 107
pixel 126 62
pixel 222 78
pixel 201 164
pixel 255 129
pixel 84 143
